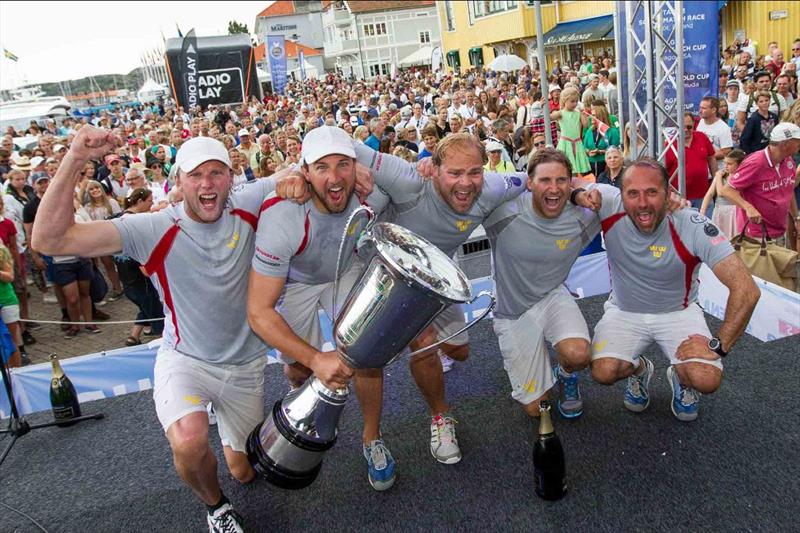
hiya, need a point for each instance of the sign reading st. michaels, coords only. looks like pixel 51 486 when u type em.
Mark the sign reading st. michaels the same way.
pixel 283 27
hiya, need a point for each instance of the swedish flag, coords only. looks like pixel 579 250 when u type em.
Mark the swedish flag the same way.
pixel 9 55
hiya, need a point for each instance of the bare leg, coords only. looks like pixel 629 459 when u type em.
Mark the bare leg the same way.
pixel 368 384
pixel 427 371
pixel 701 377
pixel 111 270
pixel 239 465
pixel 193 458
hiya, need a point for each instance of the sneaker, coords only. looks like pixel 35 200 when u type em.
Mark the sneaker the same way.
pixel 444 445
pixel 570 403
pixel 99 315
pixel 113 296
pixel 27 338
pixel 72 332
pixel 637 395
pixel 225 520
pixel 685 400
pixel 447 363
pixel 91 328
pixel 33 325
pixel 380 465
pixel 64 327
pixel 49 298
pixel 25 359
pixel 212 416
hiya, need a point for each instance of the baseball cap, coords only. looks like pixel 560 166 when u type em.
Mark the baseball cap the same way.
pixel 199 150
pixel 41 177
pixel 354 121
pixel 732 83
pixel 243 131
pixel 494 146
pixel 59 147
pixel 784 132
pixel 110 158
pixel 36 161
pixel 326 140
pixel 553 88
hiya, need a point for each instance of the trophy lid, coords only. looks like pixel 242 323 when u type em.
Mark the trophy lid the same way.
pixel 420 261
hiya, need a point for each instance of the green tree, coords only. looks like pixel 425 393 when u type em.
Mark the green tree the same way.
pixel 237 27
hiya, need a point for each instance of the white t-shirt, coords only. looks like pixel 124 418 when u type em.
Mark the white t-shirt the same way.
pixel 753 108
pixel 719 133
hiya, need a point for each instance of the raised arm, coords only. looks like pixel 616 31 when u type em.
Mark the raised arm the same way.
pixel 392 174
pixel 54 229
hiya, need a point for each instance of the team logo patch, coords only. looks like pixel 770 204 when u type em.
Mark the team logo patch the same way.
pixel 697 218
pixel 234 240
pixel 599 345
pixel 530 386
pixel 657 251
pixel 512 181
pixel 463 225
pixel 562 243
pixel 711 230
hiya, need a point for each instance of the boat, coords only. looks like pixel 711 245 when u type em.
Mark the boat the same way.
pixel 30 103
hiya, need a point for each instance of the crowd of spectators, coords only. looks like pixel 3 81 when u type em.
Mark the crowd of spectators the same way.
pixel 406 116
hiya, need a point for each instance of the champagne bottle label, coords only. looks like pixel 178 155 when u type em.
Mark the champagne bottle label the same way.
pixel 64 412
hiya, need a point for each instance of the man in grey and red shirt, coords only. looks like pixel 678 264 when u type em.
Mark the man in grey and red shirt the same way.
pixel 762 188
pixel 654 258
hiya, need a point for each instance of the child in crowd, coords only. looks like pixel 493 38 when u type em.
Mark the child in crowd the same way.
pixel 724 215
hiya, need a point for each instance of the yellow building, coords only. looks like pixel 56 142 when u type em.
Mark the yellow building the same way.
pixel 474 32
pixel 762 22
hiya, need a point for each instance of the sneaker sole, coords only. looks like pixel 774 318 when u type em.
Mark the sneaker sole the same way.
pixel 566 414
pixel 381 485
pixel 447 461
pixel 637 408
pixel 683 417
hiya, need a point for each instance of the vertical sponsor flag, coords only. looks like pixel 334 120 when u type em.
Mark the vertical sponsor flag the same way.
pixel 276 51
pixel 189 63
pixel 301 57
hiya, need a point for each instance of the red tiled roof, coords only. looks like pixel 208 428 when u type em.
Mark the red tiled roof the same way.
pixel 281 7
pixel 292 50
pixel 361 6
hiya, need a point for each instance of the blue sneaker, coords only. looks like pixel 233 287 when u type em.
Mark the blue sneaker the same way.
pixel 570 403
pixel 637 395
pixel 380 465
pixel 685 400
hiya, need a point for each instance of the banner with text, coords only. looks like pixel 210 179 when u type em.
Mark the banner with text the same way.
pixel 276 51
pixel 189 63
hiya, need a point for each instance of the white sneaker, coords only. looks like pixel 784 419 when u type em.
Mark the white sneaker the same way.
pixel 444 445
pixel 49 298
pixel 212 416
pixel 447 363
pixel 225 520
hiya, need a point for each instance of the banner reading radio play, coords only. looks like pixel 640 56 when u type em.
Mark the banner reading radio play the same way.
pixel 276 51
pixel 700 52
pixel 189 63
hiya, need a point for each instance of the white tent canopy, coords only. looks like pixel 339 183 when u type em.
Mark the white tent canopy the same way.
pixel 420 57
pixel 506 63
pixel 150 91
pixel 263 75
pixel 311 71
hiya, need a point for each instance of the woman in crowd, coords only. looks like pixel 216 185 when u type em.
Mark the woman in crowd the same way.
pixel 572 123
pixel 100 206
pixel 600 134
pixel 724 215
pixel 456 123
pixel 360 134
pixel 9 307
pixel 138 287
pixel 430 138
pixel 441 122
pixel 614 166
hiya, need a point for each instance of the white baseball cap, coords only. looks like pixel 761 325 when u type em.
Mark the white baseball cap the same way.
pixel 36 161
pixel 198 150
pixel 243 131
pixel 326 140
pixel 784 132
pixel 494 146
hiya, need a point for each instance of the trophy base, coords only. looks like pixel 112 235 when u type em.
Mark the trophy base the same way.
pixel 274 474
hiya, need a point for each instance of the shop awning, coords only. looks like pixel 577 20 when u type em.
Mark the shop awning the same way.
pixel 580 31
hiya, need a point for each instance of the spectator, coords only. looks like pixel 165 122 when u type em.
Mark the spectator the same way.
pixel 376 129
pixel 600 134
pixel 755 135
pixel 496 164
pixel 777 104
pixel 572 124
pixel 699 161
pixel 612 174
pixel 724 216
pixel 430 137
pixel 717 131
pixel 762 186
pixel 9 306
pixel 782 88
pixel 592 92
pixel 100 207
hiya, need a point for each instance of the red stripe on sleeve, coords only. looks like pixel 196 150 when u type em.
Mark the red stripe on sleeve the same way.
pixel 156 265
pixel 247 216
pixel 307 226
pixel 269 202
pixel 690 261
pixel 608 223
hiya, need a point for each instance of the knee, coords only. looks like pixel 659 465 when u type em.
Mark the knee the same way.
pixel 703 378
pixel 457 353
pixel 241 470
pixel 605 371
pixel 575 353
pixel 188 440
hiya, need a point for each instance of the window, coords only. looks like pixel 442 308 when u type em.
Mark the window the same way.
pixel 448 11
pixel 424 37
pixel 481 8
pixel 380 28
pixel 369 30
pixel 383 68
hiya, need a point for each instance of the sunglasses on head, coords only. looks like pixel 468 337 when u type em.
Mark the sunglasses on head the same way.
pixel 540 143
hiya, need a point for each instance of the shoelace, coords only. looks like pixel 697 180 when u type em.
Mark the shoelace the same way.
pixel 571 387
pixel 377 455
pixel 445 430
pixel 634 384
pixel 226 522
pixel 689 396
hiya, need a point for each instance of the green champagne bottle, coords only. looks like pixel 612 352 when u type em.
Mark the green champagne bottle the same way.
pixel 63 398
pixel 549 472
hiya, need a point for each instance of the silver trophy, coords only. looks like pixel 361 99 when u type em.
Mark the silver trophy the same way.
pixel 406 284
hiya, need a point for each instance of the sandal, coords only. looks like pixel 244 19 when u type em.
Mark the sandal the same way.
pixel 132 341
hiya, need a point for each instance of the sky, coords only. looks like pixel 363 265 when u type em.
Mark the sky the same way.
pixel 57 41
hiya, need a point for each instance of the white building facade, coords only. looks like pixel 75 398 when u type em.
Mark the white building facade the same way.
pixel 364 39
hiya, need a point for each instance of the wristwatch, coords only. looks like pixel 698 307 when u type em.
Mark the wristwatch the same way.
pixel 715 345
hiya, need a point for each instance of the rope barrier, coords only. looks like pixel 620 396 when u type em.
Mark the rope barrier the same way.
pixel 99 323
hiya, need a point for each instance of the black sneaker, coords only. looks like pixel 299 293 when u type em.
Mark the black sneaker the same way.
pixel 225 520
pixel 27 338
pixel 72 332
pixel 99 315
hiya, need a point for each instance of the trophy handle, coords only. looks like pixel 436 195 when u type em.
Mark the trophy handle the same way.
pixel 462 330
pixel 370 222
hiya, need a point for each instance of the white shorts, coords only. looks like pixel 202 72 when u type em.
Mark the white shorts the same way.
pixel 522 342
pixel 624 335
pixel 185 385
pixel 448 322
pixel 299 306
pixel 10 314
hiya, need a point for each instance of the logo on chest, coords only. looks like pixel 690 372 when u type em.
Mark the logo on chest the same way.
pixel 234 240
pixel 563 243
pixel 463 225
pixel 657 251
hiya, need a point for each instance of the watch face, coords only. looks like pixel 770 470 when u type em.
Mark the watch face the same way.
pixel 714 344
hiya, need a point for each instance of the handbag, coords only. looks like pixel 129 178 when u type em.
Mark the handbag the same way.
pixel 767 260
